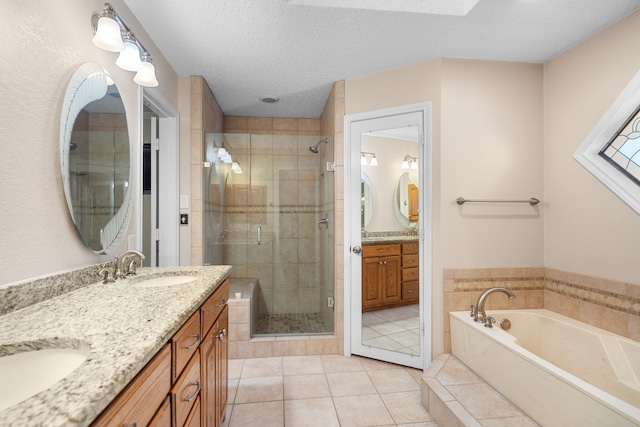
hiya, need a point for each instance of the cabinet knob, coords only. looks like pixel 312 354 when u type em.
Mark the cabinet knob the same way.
pixel 356 249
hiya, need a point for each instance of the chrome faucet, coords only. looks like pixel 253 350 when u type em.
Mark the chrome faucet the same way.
pixel 120 273
pixel 477 311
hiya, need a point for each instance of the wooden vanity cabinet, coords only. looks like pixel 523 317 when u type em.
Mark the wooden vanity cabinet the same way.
pixel 185 384
pixel 390 275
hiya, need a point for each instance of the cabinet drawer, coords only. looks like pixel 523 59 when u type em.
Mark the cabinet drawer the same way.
pixel 194 417
pixel 380 250
pixel 410 274
pixel 186 390
pixel 162 418
pixel 138 403
pixel 410 248
pixel 410 261
pixel 184 344
pixel 212 307
pixel 410 291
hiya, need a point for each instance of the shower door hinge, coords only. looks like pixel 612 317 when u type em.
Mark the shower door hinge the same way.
pixel 156 144
pixel 422 328
pixel 422 139
pixel 422 233
pixel 157 235
pixel 331 167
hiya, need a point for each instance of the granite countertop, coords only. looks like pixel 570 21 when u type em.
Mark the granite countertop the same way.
pixel 389 239
pixel 121 326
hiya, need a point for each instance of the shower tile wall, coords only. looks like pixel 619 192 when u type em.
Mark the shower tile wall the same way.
pixel 279 190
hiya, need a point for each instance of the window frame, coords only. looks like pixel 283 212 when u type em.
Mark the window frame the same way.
pixel 609 126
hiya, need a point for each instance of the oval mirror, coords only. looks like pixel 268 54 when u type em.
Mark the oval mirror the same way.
pixel 366 199
pixel 405 199
pixel 95 158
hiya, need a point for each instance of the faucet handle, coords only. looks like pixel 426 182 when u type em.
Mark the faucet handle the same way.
pixel 107 275
pixel 474 311
pixel 488 323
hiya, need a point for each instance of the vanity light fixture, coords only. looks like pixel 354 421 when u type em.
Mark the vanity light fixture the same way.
pixel 235 167
pixel 409 162
pixel 112 34
pixel 364 160
pixel 129 58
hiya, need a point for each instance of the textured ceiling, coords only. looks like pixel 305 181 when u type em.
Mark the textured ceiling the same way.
pixel 249 49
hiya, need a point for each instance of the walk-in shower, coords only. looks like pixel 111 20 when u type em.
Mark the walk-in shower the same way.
pixel 274 223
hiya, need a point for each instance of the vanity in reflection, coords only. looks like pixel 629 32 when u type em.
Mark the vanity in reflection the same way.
pixel 390 273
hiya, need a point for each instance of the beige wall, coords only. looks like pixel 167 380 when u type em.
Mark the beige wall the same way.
pixel 44 43
pixel 588 230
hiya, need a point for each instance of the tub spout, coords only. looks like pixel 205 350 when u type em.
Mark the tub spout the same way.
pixel 477 311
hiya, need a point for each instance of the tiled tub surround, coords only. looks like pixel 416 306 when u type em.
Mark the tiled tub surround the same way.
pixel 122 325
pixel 610 305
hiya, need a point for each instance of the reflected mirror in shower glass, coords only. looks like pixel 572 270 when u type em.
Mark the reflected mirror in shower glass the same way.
pixel 95 158
pixel 366 199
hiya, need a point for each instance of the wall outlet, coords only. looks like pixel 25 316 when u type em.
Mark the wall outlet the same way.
pixel 330 302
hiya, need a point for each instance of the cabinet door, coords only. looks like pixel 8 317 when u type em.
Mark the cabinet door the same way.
pixel 207 372
pixel 390 281
pixel 222 351
pixel 371 296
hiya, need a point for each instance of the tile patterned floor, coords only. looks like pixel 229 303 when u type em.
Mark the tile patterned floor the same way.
pixel 396 329
pixel 300 323
pixel 323 391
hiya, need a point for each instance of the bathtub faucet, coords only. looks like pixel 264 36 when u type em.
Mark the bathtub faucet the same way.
pixel 477 311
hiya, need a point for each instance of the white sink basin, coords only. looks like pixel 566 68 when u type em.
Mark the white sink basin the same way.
pixel 164 281
pixel 28 373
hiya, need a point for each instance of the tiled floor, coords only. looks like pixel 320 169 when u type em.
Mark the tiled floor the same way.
pixel 323 391
pixel 396 329
pixel 299 323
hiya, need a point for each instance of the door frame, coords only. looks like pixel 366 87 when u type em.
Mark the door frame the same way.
pixel 168 179
pixel 352 264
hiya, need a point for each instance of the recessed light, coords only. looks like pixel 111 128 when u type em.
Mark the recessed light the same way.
pixel 270 99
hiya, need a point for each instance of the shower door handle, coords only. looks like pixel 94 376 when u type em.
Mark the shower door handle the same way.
pixel 259 234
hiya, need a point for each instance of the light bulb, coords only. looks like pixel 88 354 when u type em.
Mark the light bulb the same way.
pixel 107 34
pixel 129 58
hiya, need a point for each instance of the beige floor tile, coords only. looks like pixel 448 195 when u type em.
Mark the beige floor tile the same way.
pixel 263 414
pixel 384 342
pixel 297 365
pixel 310 413
pixel 359 411
pixel 232 389
pixel 350 384
pixel 335 363
pixel 393 380
pixel 373 364
pixel 406 407
pixel 260 389
pixel 425 424
pixel 306 386
pixel 235 368
pixel 262 367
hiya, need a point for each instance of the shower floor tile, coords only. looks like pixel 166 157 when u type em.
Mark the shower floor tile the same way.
pixel 298 323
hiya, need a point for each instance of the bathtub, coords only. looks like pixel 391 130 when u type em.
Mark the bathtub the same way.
pixel 560 371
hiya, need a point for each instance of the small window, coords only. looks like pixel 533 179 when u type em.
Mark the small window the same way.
pixel 611 151
pixel 623 151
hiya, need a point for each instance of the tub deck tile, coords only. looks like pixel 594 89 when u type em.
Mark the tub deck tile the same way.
pixel 456 396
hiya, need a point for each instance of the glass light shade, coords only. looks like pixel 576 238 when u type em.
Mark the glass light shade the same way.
pixel 363 160
pixel 107 35
pixel 146 76
pixel 414 164
pixel 227 158
pixel 405 165
pixel 221 152
pixel 374 161
pixel 129 58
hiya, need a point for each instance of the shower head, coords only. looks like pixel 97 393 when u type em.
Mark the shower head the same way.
pixel 314 148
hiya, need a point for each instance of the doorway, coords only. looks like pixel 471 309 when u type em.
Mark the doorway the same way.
pixel 388 235
pixel 159 215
